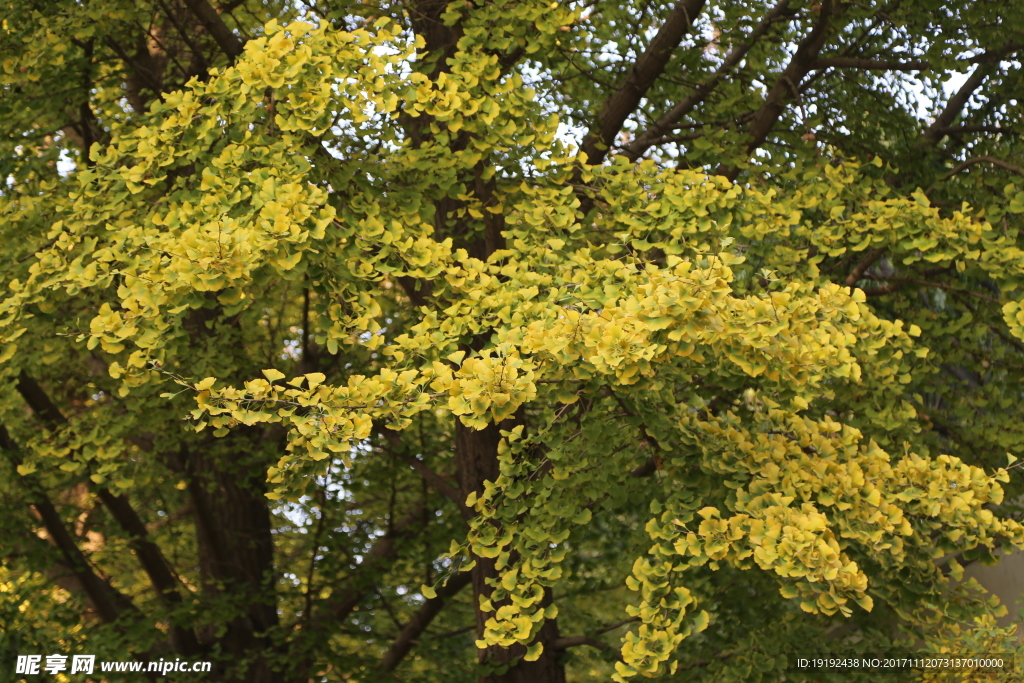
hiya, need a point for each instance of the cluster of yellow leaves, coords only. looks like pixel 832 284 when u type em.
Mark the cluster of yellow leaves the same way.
pixel 834 211
pixel 489 388
pixel 230 183
pixel 222 184
pixel 664 317
pixel 793 542
pixel 323 420
pixel 983 636
pixel 685 310
pixel 877 501
pixel 805 493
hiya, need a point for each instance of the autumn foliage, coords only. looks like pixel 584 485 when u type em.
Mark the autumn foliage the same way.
pixel 357 343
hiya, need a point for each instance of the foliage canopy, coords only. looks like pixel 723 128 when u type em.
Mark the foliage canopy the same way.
pixel 345 341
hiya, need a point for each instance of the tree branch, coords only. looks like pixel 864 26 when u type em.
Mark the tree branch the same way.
pixel 986 159
pixel 456 632
pixel 651 136
pixel 198 58
pixel 956 104
pixel 107 601
pixel 705 662
pixel 653 463
pixel 954 130
pixel 183 639
pixel 416 289
pixel 210 18
pixel 412 630
pixel 787 83
pixel 618 624
pixel 150 557
pixel 996 55
pixel 647 469
pixel 879 291
pixel 870 256
pixel 373 564
pixel 39 401
pixel 576 641
pixel 937 285
pixel 439 483
pixel 639 79
pixel 868 64
pixel 987 64
pixel 963 166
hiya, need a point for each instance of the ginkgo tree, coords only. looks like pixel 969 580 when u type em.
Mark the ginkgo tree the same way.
pixel 512 341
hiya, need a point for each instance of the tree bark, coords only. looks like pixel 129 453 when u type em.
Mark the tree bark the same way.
pixel 182 638
pixel 639 79
pixel 477 462
pixel 419 622
pixel 236 558
pixel 786 86
pixel 664 124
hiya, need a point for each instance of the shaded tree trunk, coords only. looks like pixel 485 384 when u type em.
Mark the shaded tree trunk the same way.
pixel 477 462
pixel 236 556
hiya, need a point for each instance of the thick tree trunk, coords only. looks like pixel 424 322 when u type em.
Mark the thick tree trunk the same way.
pixel 477 460
pixel 236 558
pixel 226 480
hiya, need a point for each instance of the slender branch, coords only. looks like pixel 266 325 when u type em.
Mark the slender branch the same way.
pixel 620 624
pixel 985 159
pixel 456 632
pixel 87 120
pixel 439 483
pixel 705 662
pixel 38 251
pixel 848 627
pixel 199 59
pixel 868 64
pixel 938 285
pixel 665 139
pixel 996 55
pixel 179 514
pixel 565 643
pixel 388 608
pixel 880 291
pixel 954 130
pixel 653 463
pixel 413 629
pixel 576 641
pixel 987 64
pixel 305 327
pixel 321 523
pixel 956 104
pixel 1016 343
pixel 367 572
pixel 963 166
pixel 146 77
